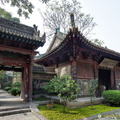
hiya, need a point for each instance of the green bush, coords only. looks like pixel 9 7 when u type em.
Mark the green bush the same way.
pixel 15 91
pixel 18 91
pixel 112 96
pixel 17 84
pixel 6 84
pixel 7 88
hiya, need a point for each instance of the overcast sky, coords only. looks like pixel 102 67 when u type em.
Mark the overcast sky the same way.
pixel 106 14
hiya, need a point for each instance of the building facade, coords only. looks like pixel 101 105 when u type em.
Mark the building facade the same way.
pixel 74 55
pixel 18 43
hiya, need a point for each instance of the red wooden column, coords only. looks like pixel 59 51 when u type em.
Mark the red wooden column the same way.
pixel 24 90
pixel 23 84
pixel 30 79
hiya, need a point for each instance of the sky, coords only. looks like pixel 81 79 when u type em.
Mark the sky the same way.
pixel 106 14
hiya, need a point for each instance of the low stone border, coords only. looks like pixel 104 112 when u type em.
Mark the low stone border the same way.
pixel 35 111
pixel 96 116
pixel 78 104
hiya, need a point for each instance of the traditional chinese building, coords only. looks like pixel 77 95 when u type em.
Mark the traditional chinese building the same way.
pixel 18 43
pixel 72 54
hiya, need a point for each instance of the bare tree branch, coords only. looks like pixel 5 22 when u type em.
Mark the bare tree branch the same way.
pixel 57 14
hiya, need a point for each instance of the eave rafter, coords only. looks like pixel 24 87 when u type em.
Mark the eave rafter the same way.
pixel 18 50
pixel 10 68
pixel 75 43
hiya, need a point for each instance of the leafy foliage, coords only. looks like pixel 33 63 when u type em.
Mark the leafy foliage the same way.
pixel 6 84
pixel 98 42
pixel 15 91
pixel 50 88
pixel 57 15
pixel 112 96
pixel 65 87
pixel 7 88
pixel 73 114
pixel 17 84
pixel 25 7
pixel 3 76
pixel 7 15
pixel 92 89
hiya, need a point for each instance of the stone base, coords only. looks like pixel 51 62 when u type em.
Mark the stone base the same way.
pixel 78 104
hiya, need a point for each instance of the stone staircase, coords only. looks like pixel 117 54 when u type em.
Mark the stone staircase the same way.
pixel 12 104
pixel 14 110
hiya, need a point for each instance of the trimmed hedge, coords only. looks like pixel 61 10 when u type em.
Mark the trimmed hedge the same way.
pixel 17 84
pixel 7 88
pixel 112 96
pixel 15 91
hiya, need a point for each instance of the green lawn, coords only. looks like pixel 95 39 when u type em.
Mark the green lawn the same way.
pixel 72 114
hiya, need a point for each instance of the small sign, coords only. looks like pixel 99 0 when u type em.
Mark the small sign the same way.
pixel 99 115
pixel 108 63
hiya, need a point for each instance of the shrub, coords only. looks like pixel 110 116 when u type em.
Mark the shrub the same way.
pixel 18 91
pixel 15 91
pixel 7 88
pixel 17 84
pixel 65 87
pixel 112 96
pixel 6 84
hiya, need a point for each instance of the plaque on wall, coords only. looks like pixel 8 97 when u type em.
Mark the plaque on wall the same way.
pixel 108 63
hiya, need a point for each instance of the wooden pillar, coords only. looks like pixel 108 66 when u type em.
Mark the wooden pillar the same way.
pixel 24 89
pixel 23 84
pixel 30 80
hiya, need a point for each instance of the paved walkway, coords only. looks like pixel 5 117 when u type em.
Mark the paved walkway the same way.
pixel 7 101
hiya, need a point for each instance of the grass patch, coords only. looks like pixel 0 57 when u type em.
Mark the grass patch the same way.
pixel 72 114
pixel 42 98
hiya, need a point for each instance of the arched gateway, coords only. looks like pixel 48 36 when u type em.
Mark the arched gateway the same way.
pixel 18 43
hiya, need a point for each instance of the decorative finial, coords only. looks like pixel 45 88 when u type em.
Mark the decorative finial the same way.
pixel 58 29
pixel 72 20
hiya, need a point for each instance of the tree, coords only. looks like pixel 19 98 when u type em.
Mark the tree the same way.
pixel 98 42
pixel 25 7
pixel 57 15
pixel 7 15
pixel 92 85
pixel 50 88
pixel 65 87
pixel 2 75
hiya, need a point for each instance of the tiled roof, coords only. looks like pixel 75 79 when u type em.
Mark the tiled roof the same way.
pixel 82 42
pixel 20 30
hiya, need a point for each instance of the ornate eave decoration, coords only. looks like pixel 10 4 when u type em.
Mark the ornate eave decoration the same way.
pixel 20 30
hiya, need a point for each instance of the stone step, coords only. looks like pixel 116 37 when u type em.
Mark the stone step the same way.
pixel 13 108
pixel 14 111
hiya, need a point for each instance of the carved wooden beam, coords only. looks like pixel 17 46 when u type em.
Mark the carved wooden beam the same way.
pixel 86 55
pixel 97 57
pixel 17 50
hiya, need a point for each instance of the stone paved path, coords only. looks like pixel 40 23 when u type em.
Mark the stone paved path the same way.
pixel 7 101
pixel 22 116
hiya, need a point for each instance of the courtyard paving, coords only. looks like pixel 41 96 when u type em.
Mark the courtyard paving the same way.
pixel 6 100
